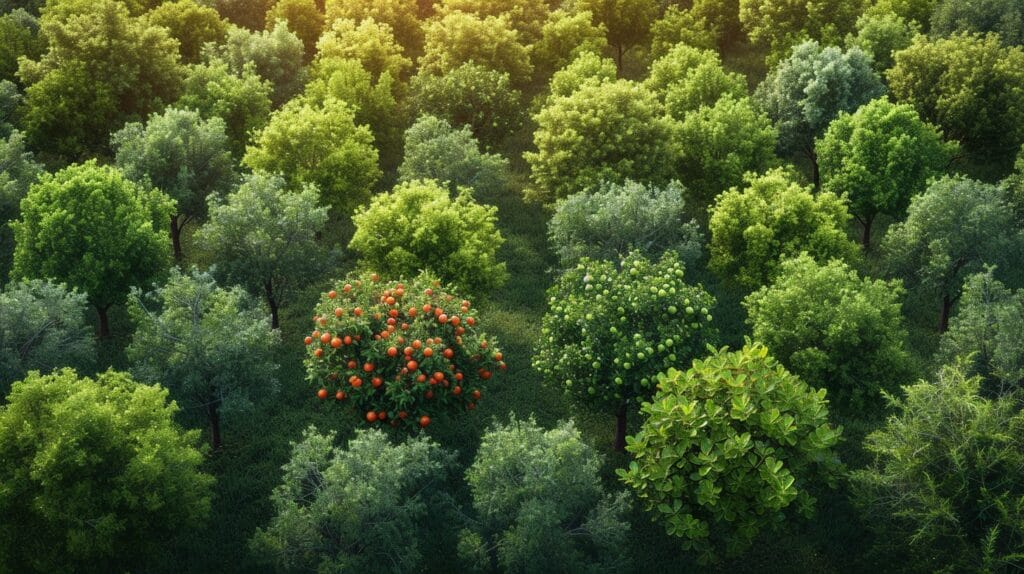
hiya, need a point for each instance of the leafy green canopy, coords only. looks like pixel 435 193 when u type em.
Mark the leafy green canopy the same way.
pixel 774 217
pixel 241 100
pixel 834 329
pixel 434 149
pixel 43 327
pixel 262 236
pixel 611 328
pixel 613 220
pixel 611 131
pixel 777 25
pixel 945 488
pixel 211 346
pixel 90 227
pixel 363 508
pixel 113 478
pixel 730 448
pixel 418 226
pixel 541 501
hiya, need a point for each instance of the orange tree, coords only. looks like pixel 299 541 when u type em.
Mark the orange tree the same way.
pixel 611 329
pixel 399 353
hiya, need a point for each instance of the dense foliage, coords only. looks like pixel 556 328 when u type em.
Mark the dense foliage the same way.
pixel 395 364
pixel 610 327
pixel 113 478
pixel 729 447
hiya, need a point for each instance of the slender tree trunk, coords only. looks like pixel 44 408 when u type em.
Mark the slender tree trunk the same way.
pixel 213 412
pixel 104 321
pixel 620 428
pixel 272 302
pixel 865 235
pixel 618 58
pixel 947 306
pixel 176 237
pixel 815 172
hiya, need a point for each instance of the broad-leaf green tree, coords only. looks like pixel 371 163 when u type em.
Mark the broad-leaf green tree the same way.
pixel 879 157
pixel 628 22
pixel 18 171
pixel 881 35
pixel 687 78
pixel 262 236
pixel 97 475
pixel 1004 17
pixel 436 150
pixel 191 24
pixel 370 42
pixel 304 18
pixel 241 100
pixel 731 448
pixel 777 25
pixel 19 37
pixel 276 54
pixel 401 15
pixel 564 36
pixel 90 227
pixel 182 155
pixel 460 38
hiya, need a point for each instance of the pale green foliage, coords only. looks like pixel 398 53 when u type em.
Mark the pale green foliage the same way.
pixel 102 67
pixel 90 227
pixel 721 143
pixel 373 102
pixel 881 35
pixel 19 37
pixel 358 509
pixel 834 329
pixel 542 503
pixel 587 68
pixel 968 86
pixel 43 327
pixel 303 17
pixel 242 100
pixel 320 144
pixel 113 478
pixel 611 131
pixel 945 485
pixel 729 448
pixel 210 346
pixel 191 24
pixel 418 226
pixel 400 15
pixel 779 25
pixel 628 22
pixel 880 157
pixel 681 26
pixel 436 150
pixel 772 218
pixel 986 331
pixel 565 36
pixel 610 328
pixel 687 78
pixel 951 231
pixel 276 54
pixel 524 16
pixel 18 170
pixel 474 96
pixel 372 43
pixel 614 219
pixel 1004 17
pixel 459 38
pixel 180 154
pixel 805 92
pixel 262 237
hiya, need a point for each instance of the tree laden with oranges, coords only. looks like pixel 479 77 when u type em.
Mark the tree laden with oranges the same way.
pixel 399 353
pixel 610 329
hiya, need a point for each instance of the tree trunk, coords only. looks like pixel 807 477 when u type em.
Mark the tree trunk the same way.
pixel 213 412
pixel 815 172
pixel 620 428
pixel 269 287
pixel 865 234
pixel 618 59
pixel 104 321
pixel 176 238
pixel 947 306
